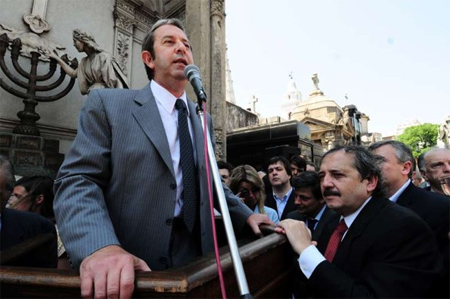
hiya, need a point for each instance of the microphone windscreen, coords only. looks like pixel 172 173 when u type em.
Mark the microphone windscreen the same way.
pixel 190 71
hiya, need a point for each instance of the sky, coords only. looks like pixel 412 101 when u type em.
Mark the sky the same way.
pixel 391 57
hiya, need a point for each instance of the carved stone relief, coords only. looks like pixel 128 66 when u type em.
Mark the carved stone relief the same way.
pixel 123 51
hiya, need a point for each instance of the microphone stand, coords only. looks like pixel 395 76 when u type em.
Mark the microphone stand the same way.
pixel 237 262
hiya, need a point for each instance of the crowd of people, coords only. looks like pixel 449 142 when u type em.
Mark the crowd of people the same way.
pixel 132 195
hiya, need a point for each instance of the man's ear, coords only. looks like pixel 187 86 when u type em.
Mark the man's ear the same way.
pixel 372 183
pixel 147 59
pixel 407 167
pixel 39 199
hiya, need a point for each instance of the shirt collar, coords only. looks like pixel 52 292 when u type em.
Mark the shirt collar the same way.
pixel 165 99
pixel 396 195
pixel 319 215
pixel 350 218
pixel 285 197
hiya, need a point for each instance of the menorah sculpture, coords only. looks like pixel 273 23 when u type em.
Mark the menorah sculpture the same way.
pixel 29 117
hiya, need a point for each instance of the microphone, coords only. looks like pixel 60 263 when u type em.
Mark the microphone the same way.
pixel 192 73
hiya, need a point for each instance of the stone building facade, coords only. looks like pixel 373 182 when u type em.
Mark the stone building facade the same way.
pixel 330 124
pixel 119 27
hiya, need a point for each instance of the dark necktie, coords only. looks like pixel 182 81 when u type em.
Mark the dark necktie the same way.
pixel 311 224
pixel 335 240
pixel 187 167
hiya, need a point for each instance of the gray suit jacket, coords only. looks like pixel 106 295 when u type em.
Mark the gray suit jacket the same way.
pixel 117 184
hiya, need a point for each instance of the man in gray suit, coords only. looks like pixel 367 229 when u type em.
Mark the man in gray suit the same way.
pixel 119 194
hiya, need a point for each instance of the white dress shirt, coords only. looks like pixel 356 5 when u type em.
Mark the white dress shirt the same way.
pixel 311 256
pixel 165 102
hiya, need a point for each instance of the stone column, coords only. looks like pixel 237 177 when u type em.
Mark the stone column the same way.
pixel 123 36
pixel 205 25
pixel 218 75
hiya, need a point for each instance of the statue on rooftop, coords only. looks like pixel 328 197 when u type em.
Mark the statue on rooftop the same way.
pixel 315 80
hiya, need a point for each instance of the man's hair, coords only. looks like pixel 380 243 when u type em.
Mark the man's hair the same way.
pixel 283 160
pixel 366 163
pixel 311 164
pixel 402 152
pixel 299 162
pixel 248 174
pixel 40 185
pixel 224 165
pixel 308 180
pixel 421 162
pixel 149 40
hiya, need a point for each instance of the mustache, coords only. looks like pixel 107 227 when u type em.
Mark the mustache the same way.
pixel 328 192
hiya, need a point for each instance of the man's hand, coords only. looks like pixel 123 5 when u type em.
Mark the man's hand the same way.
pixel 297 233
pixel 109 273
pixel 255 220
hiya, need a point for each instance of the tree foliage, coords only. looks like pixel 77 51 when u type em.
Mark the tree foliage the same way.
pixel 420 138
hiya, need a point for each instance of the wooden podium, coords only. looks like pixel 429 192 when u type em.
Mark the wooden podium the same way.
pixel 267 263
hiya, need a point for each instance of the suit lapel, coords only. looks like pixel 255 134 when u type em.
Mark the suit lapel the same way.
pixel 147 115
pixel 290 205
pixel 326 216
pixel 357 228
pixel 405 199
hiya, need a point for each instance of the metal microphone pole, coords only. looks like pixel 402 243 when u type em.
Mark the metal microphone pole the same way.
pixel 234 251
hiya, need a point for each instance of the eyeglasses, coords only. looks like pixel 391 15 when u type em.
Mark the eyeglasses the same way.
pixel 244 192
pixel 445 184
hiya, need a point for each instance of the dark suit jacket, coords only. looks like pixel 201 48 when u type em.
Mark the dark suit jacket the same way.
pixel 388 252
pixel 327 215
pixel 117 184
pixel 298 280
pixel 290 205
pixel 17 227
pixel 434 209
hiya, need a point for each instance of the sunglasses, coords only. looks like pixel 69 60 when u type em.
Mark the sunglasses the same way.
pixel 244 192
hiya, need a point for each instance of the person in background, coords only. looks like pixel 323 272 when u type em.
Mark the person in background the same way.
pixel 397 167
pixel 225 170
pixel 372 247
pixel 436 166
pixel 311 209
pixel 310 203
pixel 282 197
pixel 298 165
pixel 34 194
pixel 246 183
pixel 17 227
pixel 310 166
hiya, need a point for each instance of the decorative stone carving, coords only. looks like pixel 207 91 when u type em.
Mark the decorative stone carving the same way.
pixel 36 20
pixel 31 42
pixel 217 8
pixel 36 23
pixel 126 6
pixel 124 23
pixel 123 51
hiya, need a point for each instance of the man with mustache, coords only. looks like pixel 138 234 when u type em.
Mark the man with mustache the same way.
pixel 373 247
pixel 128 196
